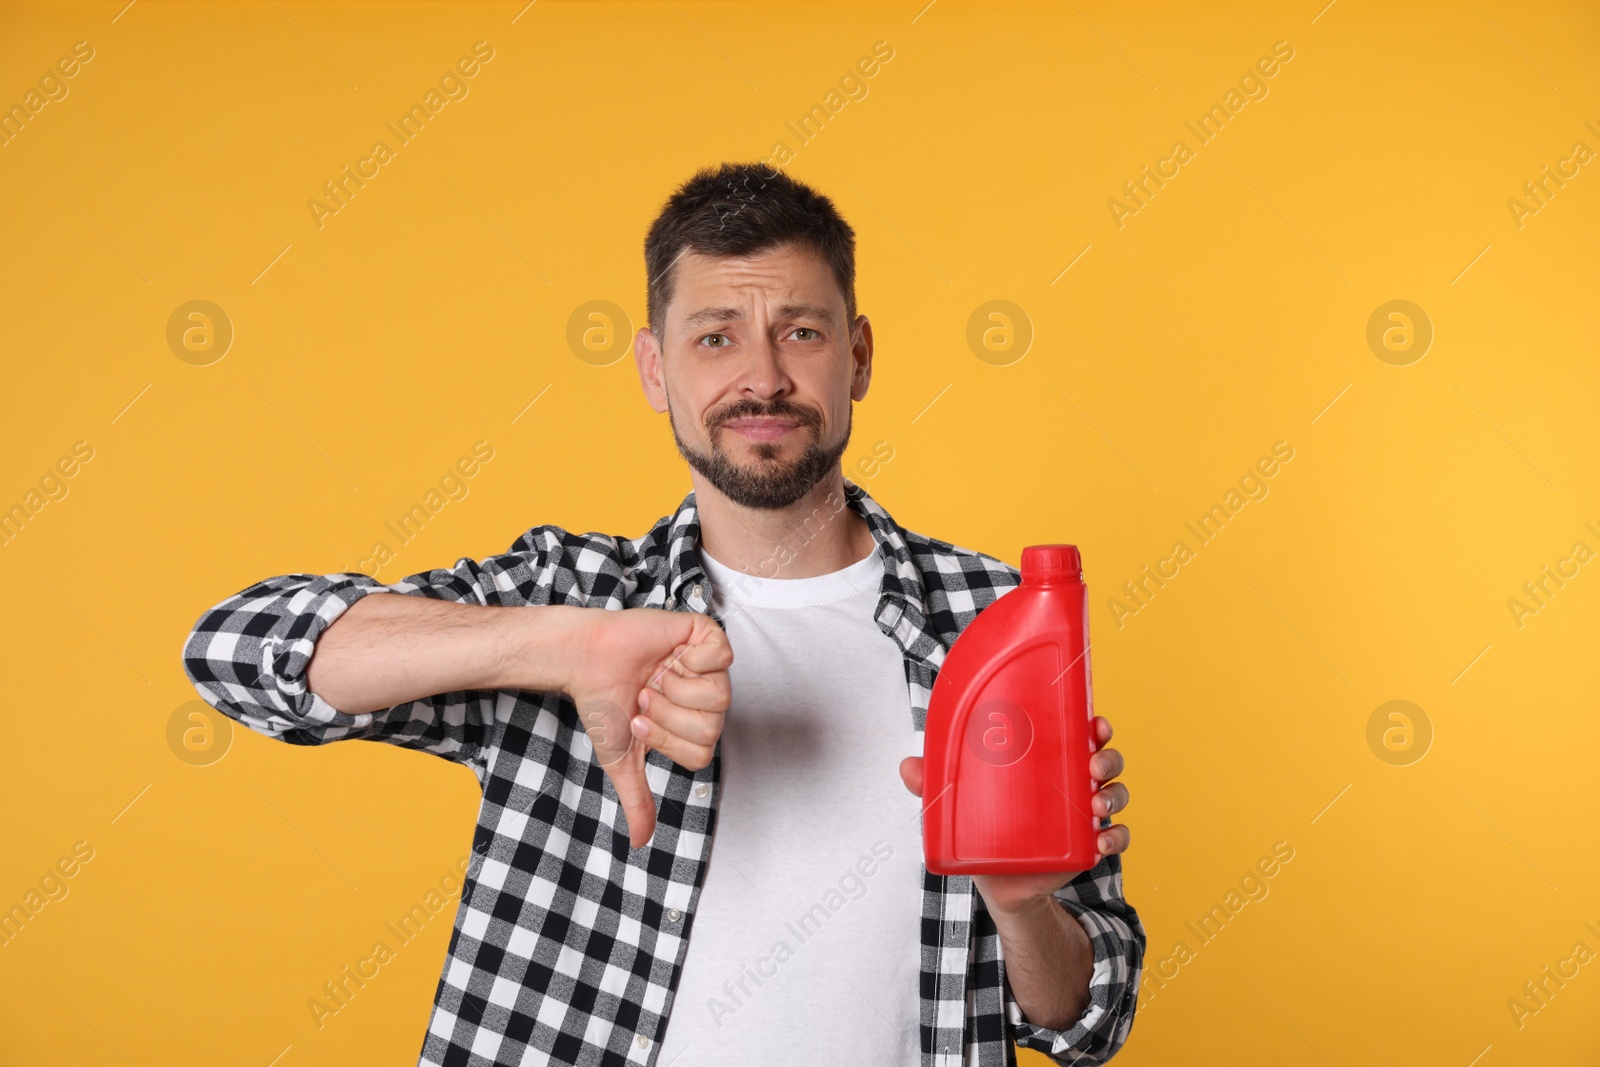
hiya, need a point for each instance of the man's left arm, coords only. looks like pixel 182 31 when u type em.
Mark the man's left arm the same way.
pixel 1073 952
pixel 1072 966
pixel 1072 947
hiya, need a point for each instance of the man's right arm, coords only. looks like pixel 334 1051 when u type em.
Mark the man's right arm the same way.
pixel 249 657
pixel 388 649
pixel 311 659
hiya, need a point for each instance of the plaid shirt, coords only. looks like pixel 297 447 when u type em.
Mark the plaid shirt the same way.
pixel 568 943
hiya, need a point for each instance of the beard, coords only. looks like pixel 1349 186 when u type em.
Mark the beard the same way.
pixel 769 484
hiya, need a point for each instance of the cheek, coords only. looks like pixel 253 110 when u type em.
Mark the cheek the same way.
pixel 690 403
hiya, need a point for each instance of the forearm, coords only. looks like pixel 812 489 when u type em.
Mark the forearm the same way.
pixel 387 649
pixel 1049 961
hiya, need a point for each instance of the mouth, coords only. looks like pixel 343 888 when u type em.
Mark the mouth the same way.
pixel 761 429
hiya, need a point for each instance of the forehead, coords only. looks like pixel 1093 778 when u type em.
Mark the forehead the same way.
pixel 790 273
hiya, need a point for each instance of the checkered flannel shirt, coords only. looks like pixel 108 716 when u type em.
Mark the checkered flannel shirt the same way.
pixel 568 944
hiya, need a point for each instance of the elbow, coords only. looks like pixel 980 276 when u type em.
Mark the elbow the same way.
pixel 226 659
pixel 249 655
pixel 1118 941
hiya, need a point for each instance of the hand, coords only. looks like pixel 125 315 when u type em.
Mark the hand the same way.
pixel 1019 892
pixel 645 678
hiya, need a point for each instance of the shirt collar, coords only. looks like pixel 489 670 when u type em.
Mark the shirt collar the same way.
pixel 902 585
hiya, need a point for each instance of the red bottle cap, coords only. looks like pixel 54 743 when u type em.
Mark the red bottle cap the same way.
pixel 1051 563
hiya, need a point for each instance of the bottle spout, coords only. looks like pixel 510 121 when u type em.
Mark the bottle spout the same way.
pixel 1051 563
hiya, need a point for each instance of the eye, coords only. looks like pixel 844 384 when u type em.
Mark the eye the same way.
pixel 806 329
pixel 709 336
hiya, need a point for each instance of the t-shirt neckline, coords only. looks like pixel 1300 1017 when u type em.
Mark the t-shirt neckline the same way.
pixel 751 590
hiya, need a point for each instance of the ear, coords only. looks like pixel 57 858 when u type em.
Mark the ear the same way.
pixel 647 357
pixel 861 359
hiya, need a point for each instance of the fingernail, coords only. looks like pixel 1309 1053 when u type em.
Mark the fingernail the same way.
pixel 640 726
pixel 644 699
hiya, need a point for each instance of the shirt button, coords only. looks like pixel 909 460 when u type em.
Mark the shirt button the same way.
pixel 702 790
pixel 644 1042
pixel 695 592
pixel 674 914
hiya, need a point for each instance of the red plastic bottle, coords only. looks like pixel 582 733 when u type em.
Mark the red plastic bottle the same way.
pixel 1006 785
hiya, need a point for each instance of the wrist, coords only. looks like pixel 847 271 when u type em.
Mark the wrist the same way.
pixel 1021 911
pixel 540 650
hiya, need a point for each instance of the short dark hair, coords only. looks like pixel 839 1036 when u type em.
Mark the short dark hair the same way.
pixel 740 209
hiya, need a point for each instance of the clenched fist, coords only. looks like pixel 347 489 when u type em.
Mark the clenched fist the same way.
pixel 645 678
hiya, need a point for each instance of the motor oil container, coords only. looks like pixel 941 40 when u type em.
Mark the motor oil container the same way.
pixel 1006 784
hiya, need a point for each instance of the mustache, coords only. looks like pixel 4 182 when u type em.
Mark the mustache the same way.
pixel 745 409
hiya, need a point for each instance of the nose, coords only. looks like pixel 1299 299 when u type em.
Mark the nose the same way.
pixel 762 377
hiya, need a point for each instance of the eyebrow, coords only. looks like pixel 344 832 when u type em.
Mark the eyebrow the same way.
pixel 713 316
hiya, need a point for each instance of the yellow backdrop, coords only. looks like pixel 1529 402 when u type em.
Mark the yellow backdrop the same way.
pixel 1286 316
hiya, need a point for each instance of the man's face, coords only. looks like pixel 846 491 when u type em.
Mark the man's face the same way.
pixel 757 371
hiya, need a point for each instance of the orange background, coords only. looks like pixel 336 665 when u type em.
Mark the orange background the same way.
pixel 231 877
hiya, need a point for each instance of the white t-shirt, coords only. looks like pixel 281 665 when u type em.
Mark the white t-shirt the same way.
pixel 805 944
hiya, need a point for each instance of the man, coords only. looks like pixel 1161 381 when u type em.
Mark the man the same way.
pixel 761 660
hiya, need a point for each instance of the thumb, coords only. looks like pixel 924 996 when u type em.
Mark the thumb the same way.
pixel 911 774
pixel 621 756
pixel 638 802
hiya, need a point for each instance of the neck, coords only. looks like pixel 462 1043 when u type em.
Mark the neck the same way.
pixel 817 534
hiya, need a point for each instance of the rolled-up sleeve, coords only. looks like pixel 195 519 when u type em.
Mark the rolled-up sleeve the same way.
pixel 247 656
pixel 1095 899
